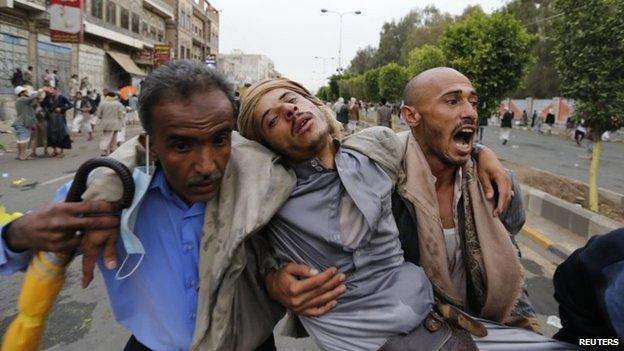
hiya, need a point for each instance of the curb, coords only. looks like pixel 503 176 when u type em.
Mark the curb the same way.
pixel 570 216
pixel 545 243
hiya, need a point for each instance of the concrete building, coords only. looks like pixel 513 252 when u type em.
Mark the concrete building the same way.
pixel 244 68
pixel 197 33
pixel 119 37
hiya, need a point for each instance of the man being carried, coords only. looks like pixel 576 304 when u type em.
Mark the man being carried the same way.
pixel 444 124
pixel 339 215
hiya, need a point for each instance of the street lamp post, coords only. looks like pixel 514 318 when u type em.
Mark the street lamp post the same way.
pixel 340 14
pixel 324 59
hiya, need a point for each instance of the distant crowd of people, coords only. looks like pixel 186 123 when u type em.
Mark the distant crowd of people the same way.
pixel 48 119
pixel 349 113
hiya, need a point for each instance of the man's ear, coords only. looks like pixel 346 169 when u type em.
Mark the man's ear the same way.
pixel 411 116
pixel 143 141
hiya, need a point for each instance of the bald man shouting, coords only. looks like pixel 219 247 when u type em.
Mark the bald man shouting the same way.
pixel 444 213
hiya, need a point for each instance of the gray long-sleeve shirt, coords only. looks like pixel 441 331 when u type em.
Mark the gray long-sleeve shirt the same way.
pixel 25 109
pixel 343 218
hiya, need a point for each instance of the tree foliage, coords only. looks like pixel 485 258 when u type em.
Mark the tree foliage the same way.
pixel 542 80
pixel 334 89
pixel 371 85
pixel 589 54
pixel 423 58
pixel 392 38
pixel 392 81
pixel 324 94
pixel 492 51
pixel 363 60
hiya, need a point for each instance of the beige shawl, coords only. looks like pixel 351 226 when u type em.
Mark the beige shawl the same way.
pixel 499 264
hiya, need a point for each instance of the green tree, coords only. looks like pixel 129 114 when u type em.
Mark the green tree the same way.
pixel 334 89
pixel 492 51
pixel 589 54
pixel 428 30
pixel 392 37
pixel 356 86
pixel 363 60
pixel 392 80
pixel 323 93
pixel 542 79
pixel 371 85
pixel 423 58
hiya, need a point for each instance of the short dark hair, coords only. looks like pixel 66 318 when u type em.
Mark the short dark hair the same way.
pixel 383 101
pixel 179 80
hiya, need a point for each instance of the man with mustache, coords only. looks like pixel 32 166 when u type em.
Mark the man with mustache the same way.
pixel 187 111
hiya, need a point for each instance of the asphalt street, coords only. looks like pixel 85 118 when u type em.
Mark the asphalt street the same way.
pixel 560 155
pixel 82 319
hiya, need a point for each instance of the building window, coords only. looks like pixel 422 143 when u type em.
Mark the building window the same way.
pixel 161 36
pixel 125 18
pixel 152 33
pixel 182 52
pixel 111 12
pixel 144 29
pixel 97 8
pixel 188 53
pixel 135 22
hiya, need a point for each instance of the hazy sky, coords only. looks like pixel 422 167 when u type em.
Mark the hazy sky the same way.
pixel 293 32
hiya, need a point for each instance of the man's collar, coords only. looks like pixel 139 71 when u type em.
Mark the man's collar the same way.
pixel 159 183
pixel 307 168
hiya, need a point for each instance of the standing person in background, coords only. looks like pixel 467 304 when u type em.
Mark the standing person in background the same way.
pixel 57 80
pixel 342 112
pixel 580 132
pixel 482 122
pixel 82 115
pixel 46 77
pixel 506 125
pixel 525 118
pixel 25 121
pixel 110 114
pixel 533 119
pixel 384 114
pixel 84 83
pixel 28 79
pixel 132 114
pixel 354 114
pixel 17 80
pixel 40 133
pixel 74 86
pixel 550 120
pixel 94 101
pixel 56 105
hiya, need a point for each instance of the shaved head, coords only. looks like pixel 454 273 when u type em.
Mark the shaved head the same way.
pixel 440 106
pixel 416 88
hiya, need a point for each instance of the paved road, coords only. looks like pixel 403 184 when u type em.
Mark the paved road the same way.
pixel 82 320
pixel 560 155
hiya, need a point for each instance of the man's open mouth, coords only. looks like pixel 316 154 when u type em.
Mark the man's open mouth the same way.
pixel 463 136
pixel 300 124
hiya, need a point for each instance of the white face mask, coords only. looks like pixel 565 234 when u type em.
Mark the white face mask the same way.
pixel 133 246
